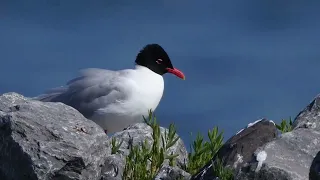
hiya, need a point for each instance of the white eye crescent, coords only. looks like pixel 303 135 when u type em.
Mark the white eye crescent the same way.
pixel 159 61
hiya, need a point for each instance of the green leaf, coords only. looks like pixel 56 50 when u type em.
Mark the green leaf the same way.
pixel 144 163
pixel 114 146
pixel 285 126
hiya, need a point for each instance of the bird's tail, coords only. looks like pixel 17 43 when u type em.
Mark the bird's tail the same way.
pixel 51 94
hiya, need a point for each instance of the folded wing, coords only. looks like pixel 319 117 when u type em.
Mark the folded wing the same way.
pixel 92 90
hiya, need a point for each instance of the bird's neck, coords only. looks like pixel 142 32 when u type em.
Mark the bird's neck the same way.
pixel 146 73
pixel 150 86
pixel 143 68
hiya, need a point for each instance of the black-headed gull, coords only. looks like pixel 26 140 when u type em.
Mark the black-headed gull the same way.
pixel 116 99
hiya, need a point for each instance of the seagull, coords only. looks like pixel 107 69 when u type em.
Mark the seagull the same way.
pixel 116 99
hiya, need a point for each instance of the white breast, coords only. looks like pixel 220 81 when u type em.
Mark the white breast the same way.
pixel 149 90
pixel 146 90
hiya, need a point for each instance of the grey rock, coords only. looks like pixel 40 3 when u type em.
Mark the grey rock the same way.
pixel 113 167
pixel 45 140
pixel 135 135
pixel 138 133
pixel 259 153
pixel 54 141
pixel 48 141
pixel 172 173
pixel 238 151
pixel 290 156
pixel 10 102
pixel 309 117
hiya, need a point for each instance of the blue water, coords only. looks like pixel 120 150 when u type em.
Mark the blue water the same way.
pixel 243 60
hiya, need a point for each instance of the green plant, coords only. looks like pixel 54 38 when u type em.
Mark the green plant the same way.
pixel 137 163
pixel 201 152
pixel 224 173
pixel 144 162
pixel 285 125
pixel 114 146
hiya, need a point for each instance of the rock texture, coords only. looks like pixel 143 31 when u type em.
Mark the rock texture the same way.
pixel 134 135
pixel 170 173
pixel 289 157
pixel 113 167
pixel 54 141
pixel 258 153
pixel 238 151
pixel 48 141
pixel 137 133
pixel 43 140
pixel 309 117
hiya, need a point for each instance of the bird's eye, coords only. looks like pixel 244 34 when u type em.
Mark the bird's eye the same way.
pixel 159 61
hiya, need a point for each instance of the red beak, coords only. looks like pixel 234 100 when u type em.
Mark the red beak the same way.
pixel 176 72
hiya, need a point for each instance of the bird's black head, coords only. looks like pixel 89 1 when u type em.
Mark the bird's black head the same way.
pixel 154 57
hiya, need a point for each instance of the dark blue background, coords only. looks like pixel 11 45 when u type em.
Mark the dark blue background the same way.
pixel 243 60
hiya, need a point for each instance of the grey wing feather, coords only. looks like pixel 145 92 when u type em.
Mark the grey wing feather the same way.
pixel 92 90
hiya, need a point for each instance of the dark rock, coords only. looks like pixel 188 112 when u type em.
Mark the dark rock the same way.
pixel 314 173
pixel 239 150
pixel 310 116
pixel 48 141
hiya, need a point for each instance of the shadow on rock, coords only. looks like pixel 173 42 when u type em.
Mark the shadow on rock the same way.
pixel 314 173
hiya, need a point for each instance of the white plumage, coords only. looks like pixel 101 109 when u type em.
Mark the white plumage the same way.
pixel 117 99
pixel 112 99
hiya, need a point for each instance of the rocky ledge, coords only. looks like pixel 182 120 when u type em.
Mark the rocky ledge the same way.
pixel 43 140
